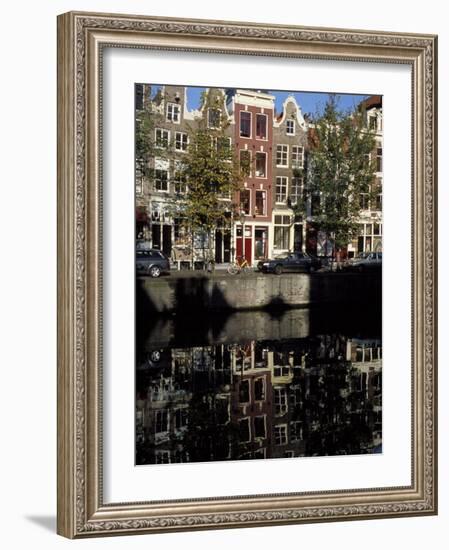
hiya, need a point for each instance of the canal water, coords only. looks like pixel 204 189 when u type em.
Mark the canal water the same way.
pixel 259 385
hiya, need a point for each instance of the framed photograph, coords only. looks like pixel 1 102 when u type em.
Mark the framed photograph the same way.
pixel 246 274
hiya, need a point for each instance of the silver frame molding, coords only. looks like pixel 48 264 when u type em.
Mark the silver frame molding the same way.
pixel 81 38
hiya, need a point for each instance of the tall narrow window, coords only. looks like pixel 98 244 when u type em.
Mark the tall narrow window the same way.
pixel 282 155
pixel 213 119
pixel 297 156
pixel 162 137
pixel 245 200
pixel 296 190
pixel 181 141
pixel 379 159
pixel 261 165
pixel 245 162
pixel 261 126
pixel 261 201
pixel 281 188
pixel 245 124
pixel 161 180
pixel 290 127
pixel 173 112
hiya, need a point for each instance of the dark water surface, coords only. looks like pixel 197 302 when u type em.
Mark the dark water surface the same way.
pixel 253 385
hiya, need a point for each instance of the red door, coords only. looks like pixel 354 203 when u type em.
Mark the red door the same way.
pixel 248 244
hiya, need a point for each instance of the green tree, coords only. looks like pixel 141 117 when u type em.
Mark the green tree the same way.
pixel 212 173
pixel 341 171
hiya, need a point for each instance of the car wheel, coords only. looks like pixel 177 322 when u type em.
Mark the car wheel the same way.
pixel 361 269
pixel 278 269
pixel 312 269
pixel 155 271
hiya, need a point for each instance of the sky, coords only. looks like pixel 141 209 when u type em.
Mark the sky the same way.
pixel 310 102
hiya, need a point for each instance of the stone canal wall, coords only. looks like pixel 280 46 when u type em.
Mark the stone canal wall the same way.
pixel 246 292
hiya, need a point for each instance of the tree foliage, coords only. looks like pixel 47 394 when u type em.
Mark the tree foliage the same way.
pixel 340 172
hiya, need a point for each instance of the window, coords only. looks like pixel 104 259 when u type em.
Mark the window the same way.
pixel 315 204
pixel 261 201
pixel 289 454
pixel 282 232
pixel 213 118
pixel 364 201
pixel 281 188
pixel 259 427
pixel 161 421
pixel 290 127
pixel 180 182
pixel 280 401
pixel 245 162
pixel 280 434
pixel 297 156
pixel 379 159
pixel 244 430
pixel 161 180
pixel 244 391
pixel 259 389
pixel 173 112
pixel 261 165
pixel 180 418
pixel 245 124
pixel 295 431
pixel 372 121
pixel 162 138
pixel 139 176
pixel 282 155
pixel 296 190
pixel 245 195
pixel 261 126
pixel 181 141
pixel 379 202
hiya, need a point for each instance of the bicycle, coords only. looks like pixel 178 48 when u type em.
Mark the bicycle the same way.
pixel 240 265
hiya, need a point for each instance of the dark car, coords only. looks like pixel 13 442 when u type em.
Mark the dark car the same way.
pixel 152 262
pixel 291 262
pixel 365 261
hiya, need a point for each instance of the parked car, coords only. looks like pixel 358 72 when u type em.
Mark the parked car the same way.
pixel 291 262
pixel 152 262
pixel 364 261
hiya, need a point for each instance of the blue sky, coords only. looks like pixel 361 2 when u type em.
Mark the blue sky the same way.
pixel 310 102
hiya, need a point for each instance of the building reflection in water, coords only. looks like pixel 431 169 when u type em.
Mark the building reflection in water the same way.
pixel 260 399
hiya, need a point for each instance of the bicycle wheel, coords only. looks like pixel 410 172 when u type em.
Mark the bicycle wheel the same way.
pixel 233 269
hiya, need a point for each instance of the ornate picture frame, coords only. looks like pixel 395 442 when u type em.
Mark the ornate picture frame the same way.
pixel 82 38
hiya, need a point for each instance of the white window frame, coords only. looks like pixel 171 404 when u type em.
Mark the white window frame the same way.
pixel 266 127
pixel 286 227
pixel 282 428
pixel 297 153
pixel 170 118
pixel 161 411
pixel 282 148
pixel 264 177
pixel 300 189
pixel 158 179
pixel 280 401
pixel 283 178
pixel 181 141
pixel 264 213
pixel 286 127
pixel 250 124
pixel 164 130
